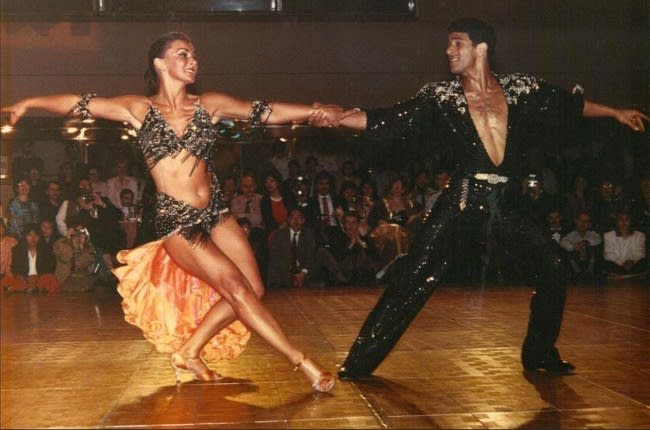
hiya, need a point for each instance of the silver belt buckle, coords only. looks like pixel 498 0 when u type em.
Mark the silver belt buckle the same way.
pixel 493 178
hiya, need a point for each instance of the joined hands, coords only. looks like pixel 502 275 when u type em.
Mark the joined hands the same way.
pixel 329 115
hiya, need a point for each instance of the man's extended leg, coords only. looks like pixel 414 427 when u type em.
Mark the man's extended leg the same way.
pixel 411 283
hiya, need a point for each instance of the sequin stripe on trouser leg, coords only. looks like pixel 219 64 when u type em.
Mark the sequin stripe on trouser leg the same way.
pixel 524 239
pixel 407 292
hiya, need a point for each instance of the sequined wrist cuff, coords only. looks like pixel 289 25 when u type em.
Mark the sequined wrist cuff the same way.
pixel 260 113
pixel 80 109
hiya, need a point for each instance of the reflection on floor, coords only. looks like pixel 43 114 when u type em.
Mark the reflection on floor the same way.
pixel 72 361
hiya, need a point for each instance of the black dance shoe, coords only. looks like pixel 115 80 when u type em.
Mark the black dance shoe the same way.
pixel 555 367
pixel 350 374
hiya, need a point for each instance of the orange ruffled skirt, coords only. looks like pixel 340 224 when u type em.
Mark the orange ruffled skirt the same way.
pixel 167 303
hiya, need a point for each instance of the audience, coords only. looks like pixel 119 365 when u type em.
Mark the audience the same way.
pixel 624 249
pixel 584 248
pixel 351 259
pixel 291 253
pixel 22 209
pixel 32 264
pixel 75 259
pixel 274 204
pixel 324 206
pixel 50 205
pixel 120 181
pixel 7 243
pixel 99 186
pixel 26 161
pixel 49 233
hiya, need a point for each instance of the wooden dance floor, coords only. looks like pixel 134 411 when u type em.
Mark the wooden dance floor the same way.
pixel 72 361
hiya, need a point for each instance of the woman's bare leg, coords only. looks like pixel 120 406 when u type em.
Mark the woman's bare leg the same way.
pixel 230 238
pixel 210 264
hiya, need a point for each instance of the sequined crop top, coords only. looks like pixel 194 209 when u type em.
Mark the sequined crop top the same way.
pixel 157 140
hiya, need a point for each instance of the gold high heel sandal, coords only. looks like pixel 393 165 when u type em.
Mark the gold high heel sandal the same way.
pixel 321 380
pixel 193 365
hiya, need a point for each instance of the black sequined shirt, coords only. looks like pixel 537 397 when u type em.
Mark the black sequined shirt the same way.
pixel 438 116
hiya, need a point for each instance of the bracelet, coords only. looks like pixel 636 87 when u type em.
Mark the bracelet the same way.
pixel 80 109
pixel 258 109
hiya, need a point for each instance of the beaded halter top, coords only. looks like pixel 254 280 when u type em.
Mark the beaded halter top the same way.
pixel 157 140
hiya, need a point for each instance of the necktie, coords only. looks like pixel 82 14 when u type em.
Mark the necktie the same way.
pixel 294 253
pixel 247 210
pixel 325 211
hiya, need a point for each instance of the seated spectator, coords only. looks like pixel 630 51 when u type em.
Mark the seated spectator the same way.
pixel 351 259
pixel 24 162
pixel 624 249
pixel 641 212
pixel 37 184
pixel 579 199
pixel 554 225
pixel 348 173
pixel 229 189
pixel 122 180
pixel 366 205
pixel 131 216
pixel 347 199
pixel 274 204
pixel 324 206
pixel 584 247
pixel 75 259
pixel 22 209
pixel 98 185
pixel 310 173
pixel 606 206
pixel 7 243
pixel 422 194
pixel 68 180
pixel 70 208
pixel 535 203
pixel 102 223
pixel 49 233
pixel 291 254
pixel 440 183
pixel 289 184
pixel 32 264
pixel 248 205
pixel 397 208
pixel 50 205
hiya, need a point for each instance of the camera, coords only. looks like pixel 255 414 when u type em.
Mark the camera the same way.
pixel 88 198
pixel 80 231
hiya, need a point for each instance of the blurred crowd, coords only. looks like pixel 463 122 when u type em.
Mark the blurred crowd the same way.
pixel 311 220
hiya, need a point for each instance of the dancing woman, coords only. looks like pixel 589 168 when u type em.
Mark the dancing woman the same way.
pixel 188 289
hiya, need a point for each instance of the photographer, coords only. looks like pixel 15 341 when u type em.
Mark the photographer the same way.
pixel 75 258
pixel 101 219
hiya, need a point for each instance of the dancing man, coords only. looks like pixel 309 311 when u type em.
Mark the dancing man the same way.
pixel 483 119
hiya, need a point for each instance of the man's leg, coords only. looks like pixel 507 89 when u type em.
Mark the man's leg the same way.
pixel 411 283
pixel 550 271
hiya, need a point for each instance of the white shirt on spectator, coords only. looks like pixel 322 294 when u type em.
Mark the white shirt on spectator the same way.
pixel 619 249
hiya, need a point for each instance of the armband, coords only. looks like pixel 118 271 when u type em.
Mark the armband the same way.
pixel 80 109
pixel 260 113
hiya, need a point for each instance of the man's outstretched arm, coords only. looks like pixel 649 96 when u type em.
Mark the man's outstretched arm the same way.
pixel 629 117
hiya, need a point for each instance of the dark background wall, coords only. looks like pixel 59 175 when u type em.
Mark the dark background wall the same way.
pixel 602 44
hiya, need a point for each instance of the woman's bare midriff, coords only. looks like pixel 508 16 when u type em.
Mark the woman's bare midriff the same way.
pixel 172 177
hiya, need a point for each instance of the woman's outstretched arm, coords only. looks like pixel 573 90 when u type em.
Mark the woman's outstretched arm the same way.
pixel 224 106
pixel 116 109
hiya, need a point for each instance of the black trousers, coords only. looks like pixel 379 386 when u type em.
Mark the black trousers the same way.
pixel 474 214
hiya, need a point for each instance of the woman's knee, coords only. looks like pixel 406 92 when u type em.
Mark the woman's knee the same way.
pixel 236 289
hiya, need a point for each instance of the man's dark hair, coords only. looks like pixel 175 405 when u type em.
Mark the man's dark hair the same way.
pixel 478 31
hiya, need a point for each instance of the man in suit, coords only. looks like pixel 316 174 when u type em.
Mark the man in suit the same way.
pixel 351 258
pixel 291 254
pixel 324 206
